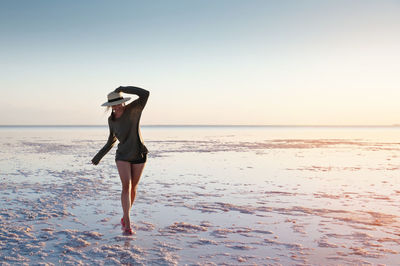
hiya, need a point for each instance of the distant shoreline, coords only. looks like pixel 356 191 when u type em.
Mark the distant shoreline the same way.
pixel 208 126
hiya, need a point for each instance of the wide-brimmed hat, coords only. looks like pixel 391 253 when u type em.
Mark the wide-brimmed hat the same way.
pixel 115 98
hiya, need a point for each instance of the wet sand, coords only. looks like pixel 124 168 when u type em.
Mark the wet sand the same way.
pixel 206 197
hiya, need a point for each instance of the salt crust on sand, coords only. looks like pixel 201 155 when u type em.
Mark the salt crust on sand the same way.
pixel 34 229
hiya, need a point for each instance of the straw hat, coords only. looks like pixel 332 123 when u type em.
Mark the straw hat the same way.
pixel 115 98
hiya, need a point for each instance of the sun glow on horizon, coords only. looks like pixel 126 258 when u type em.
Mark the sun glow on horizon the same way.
pixel 227 62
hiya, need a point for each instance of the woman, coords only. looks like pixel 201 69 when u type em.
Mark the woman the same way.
pixel 131 154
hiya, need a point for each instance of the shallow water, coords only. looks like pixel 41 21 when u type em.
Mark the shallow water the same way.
pixel 208 195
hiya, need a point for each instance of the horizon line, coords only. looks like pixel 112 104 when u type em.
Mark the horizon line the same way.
pixel 202 125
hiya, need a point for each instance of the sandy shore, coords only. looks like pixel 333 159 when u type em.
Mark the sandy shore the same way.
pixel 217 199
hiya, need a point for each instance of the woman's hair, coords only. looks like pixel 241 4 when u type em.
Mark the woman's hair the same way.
pixel 107 111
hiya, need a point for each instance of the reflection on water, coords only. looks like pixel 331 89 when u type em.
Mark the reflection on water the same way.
pixel 251 195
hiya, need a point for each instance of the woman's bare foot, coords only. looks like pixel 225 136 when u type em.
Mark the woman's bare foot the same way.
pixel 128 231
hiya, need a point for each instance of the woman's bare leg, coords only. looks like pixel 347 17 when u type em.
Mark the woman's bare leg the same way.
pixel 125 172
pixel 136 173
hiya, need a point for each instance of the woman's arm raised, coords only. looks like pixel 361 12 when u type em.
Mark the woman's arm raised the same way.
pixel 142 93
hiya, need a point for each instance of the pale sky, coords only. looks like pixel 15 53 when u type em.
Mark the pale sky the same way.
pixel 297 62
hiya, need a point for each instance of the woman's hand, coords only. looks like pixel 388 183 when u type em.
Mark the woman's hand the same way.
pixel 119 89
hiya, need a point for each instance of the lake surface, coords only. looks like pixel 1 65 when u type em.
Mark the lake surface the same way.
pixel 208 195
